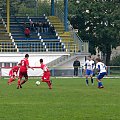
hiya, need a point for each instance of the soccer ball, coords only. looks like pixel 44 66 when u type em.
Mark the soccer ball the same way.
pixel 37 83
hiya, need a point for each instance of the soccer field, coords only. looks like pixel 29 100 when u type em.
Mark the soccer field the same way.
pixel 70 99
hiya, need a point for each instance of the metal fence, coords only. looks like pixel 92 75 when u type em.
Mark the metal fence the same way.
pixel 113 71
pixel 28 46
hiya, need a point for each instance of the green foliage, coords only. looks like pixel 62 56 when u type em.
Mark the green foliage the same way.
pixel 70 99
pixel 100 23
pixel 30 7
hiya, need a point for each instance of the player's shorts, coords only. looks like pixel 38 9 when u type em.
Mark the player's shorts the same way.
pixel 46 76
pixel 101 75
pixel 23 74
pixel 89 72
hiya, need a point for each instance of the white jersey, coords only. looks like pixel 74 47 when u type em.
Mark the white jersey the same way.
pixel 90 64
pixel 101 67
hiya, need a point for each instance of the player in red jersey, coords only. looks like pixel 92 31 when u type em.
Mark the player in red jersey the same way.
pixel 13 73
pixel 46 74
pixel 23 71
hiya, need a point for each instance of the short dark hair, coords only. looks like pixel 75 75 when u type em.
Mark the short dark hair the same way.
pixel 19 64
pixel 98 59
pixel 26 56
pixel 89 56
pixel 41 60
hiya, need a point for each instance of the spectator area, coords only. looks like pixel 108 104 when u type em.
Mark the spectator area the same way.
pixel 6 44
pixel 42 37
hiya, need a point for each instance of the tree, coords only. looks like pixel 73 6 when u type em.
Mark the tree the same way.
pixel 100 24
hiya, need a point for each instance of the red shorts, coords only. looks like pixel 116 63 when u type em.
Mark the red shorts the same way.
pixel 46 76
pixel 23 74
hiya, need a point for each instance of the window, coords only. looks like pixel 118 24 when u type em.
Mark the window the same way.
pixel 6 64
pixel 14 64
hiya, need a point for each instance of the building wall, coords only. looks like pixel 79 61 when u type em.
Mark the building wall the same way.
pixel 33 61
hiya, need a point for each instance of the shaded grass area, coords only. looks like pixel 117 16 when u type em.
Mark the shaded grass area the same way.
pixel 70 99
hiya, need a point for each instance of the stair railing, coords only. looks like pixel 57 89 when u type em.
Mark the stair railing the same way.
pixel 60 14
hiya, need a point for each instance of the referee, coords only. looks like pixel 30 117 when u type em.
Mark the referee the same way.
pixel 76 65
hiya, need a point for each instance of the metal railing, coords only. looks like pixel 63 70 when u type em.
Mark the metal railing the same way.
pixel 27 46
pixel 113 71
pixel 74 35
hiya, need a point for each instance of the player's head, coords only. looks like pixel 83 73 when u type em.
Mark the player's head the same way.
pixel 41 60
pixel 26 56
pixel 89 57
pixel 76 58
pixel 19 64
pixel 98 60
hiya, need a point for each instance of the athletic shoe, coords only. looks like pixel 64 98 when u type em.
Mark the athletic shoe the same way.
pixel 50 87
pixel 9 83
pixel 20 86
pixel 100 87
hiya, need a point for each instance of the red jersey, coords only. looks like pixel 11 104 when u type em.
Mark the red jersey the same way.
pixel 14 70
pixel 44 68
pixel 24 65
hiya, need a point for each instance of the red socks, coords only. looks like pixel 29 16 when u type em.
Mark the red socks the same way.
pixel 23 82
pixel 48 83
pixel 10 80
pixel 18 82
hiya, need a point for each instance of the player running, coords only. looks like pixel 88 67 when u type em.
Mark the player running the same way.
pixel 23 71
pixel 89 69
pixel 102 69
pixel 13 73
pixel 46 74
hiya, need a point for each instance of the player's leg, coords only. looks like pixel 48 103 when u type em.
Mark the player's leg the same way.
pixel 11 77
pixel 91 76
pixel 92 81
pixel 50 82
pixel 76 71
pixel 26 78
pixel 99 78
pixel 19 80
pixel 46 78
pixel 87 83
pixel 87 74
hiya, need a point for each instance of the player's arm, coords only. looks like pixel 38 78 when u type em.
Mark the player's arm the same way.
pixel 30 67
pixel 98 68
pixel 85 67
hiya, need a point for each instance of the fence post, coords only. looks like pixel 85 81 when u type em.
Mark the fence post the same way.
pixel 108 72
pixel 80 71
pixel 53 74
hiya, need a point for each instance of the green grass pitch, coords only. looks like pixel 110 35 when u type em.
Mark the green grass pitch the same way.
pixel 70 99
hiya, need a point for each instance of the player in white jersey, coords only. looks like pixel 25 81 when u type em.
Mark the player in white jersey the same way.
pixel 89 69
pixel 102 69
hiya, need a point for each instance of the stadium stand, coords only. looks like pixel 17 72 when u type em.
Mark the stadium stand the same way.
pixel 38 41
pixel 6 43
pixel 65 36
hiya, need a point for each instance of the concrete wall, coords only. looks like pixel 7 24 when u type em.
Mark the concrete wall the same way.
pixel 33 61
pixel 33 58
